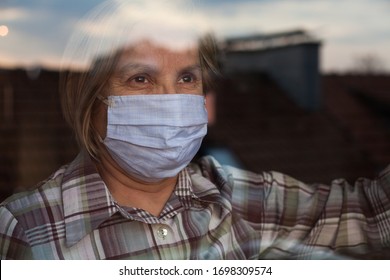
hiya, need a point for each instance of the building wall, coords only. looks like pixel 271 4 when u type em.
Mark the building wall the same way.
pixel 35 139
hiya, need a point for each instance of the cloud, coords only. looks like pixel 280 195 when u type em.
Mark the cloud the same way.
pixel 330 20
pixel 335 18
pixel 13 14
pixel 35 35
pixel 163 14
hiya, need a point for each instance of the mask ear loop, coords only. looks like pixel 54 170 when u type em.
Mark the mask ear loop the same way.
pixel 105 100
pixel 101 140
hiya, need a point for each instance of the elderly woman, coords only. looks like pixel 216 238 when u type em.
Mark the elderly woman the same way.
pixel 138 113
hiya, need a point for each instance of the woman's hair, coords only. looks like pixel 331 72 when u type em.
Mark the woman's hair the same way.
pixel 80 90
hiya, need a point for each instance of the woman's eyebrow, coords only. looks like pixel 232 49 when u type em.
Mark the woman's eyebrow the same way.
pixel 191 69
pixel 130 68
pixel 136 67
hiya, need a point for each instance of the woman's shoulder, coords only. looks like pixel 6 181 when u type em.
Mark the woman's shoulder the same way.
pixel 46 192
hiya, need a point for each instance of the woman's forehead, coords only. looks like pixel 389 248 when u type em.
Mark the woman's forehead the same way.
pixel 152 54
pixel 149 48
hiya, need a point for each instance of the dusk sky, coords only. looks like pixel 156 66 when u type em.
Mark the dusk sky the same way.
pixel 35 32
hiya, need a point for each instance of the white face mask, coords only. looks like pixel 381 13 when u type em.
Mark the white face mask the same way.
pixel 154 136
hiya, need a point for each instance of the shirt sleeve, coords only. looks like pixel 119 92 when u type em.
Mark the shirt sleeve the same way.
pixel 13 243
pixel 324 221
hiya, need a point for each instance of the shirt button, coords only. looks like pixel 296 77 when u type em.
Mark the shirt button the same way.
pixel 162 233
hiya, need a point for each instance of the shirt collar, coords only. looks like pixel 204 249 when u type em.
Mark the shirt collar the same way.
pixel 211 186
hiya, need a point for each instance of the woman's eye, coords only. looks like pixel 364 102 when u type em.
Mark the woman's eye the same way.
pixel 140 79
pixel 138 82
pixel 187 79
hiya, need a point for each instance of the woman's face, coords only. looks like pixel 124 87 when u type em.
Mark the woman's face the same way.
pixel 148 68
pixel 151 69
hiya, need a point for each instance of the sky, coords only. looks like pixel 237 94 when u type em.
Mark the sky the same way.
pixel 35 32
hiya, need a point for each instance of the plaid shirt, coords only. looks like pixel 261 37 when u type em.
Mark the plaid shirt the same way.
pixel 215 212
